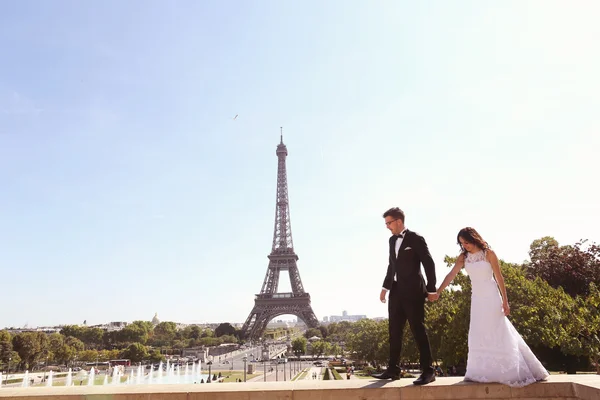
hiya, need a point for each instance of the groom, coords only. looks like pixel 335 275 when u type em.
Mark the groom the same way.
pixel 408 291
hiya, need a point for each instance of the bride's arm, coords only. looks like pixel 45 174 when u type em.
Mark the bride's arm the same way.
pixel 460 262
pixel 493 260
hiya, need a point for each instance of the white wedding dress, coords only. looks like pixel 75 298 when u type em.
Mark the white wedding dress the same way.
pixel 497 353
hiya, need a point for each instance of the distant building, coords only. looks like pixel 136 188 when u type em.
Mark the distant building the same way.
pixel 344 317
pixel 114 326
pixel 199 352
pixel 279 324
pixel 45 329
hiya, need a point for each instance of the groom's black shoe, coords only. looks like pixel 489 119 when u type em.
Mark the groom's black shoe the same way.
pixel 387 374
pixel 426 377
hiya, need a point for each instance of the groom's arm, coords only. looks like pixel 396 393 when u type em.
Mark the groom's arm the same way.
pixel 427 261
pixel 389 276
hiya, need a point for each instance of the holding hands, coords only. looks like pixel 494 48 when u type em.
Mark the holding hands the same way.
pixel 433 296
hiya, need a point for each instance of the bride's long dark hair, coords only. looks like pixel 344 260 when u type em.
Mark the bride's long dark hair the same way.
pixel 470 235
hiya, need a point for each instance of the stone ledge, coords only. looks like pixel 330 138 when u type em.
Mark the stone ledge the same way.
pixel 558 387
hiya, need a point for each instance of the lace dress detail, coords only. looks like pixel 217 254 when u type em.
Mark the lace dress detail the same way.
pixel 497 353
pixel 475 257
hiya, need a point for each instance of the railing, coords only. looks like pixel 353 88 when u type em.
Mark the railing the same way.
pixel 281 295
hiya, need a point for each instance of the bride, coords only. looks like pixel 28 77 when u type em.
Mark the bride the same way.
pixel 497 353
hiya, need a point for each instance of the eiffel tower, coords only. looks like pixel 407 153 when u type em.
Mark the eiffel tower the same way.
pixel 269 304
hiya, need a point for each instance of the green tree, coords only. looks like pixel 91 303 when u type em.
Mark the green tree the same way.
pixel 324 331
pixel 229 339
pixel 65 354
pixel 55 343
pixel 571 267
pixel 209 341
pixel 136 352
pixel 225 329
pixel 312 332
pixel 5 336
pixel 584 329
pixel 591 336
pixel 207 332
pixel 320 347
pixel 336 349
pixel 31 346
pixel 92 338
pixel 369 341
pixel 299 346
pixel 74 343
pixel 106 355
pixel 155 356
pixel 73 330
pixel 191 332
pixel 539 312
pixel 88 356
pixel 6 348
pixel 15 361
pixel 66 351
pixel 338 331
pixel 136 332
pixel 164 333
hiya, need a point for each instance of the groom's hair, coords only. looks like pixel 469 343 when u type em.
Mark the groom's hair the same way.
pixel 394 212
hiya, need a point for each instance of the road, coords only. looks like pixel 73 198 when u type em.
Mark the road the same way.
pixel 229 362
pixel 292 369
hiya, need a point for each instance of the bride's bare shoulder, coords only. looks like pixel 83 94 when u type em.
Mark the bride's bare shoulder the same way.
pixel 490 255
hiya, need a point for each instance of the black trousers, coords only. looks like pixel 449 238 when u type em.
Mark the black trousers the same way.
pixel 411 309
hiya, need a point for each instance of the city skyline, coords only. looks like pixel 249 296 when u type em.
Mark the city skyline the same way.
pixel 281 318
pixel 137 146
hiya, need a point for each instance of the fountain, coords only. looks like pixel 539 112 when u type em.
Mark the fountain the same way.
pixel 170 374
pixel 25 382
pixel 115 375
pixel 81 376
pixel 91 377
pixel 69 381
pixel 160 371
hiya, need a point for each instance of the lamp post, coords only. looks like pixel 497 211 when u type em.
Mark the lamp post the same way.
pixel 209 363
pixel 265 356
pixel 245 359
pixel 8 370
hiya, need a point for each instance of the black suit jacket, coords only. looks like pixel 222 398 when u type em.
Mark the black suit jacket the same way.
pixel 407 266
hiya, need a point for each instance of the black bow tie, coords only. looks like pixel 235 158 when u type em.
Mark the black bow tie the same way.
pixel 400 236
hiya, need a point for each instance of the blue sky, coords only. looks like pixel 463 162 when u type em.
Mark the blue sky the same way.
pixel 128 188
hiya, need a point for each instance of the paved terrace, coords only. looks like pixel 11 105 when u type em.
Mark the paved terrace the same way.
pixel 558 387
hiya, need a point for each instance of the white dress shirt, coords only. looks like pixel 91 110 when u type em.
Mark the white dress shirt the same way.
pixel 397 249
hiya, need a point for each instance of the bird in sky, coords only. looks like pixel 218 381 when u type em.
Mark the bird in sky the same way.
pixel 234 118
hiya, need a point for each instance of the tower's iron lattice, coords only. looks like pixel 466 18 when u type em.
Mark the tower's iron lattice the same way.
pixel 269 304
